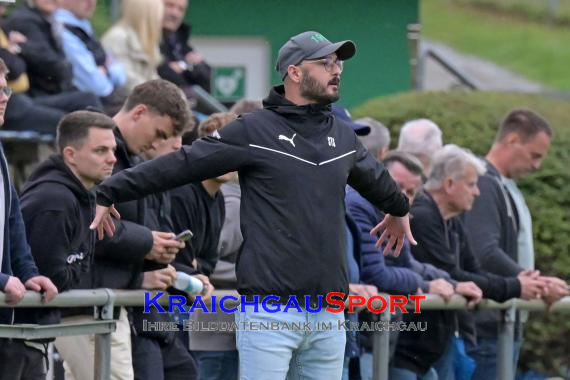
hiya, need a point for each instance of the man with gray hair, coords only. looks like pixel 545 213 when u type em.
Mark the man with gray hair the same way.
pixel 422 138
pixel 377 142
pixel 450 190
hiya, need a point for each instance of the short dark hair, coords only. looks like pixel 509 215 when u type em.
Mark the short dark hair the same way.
pixel 73 129
pixel 3 68
pixel 214 122
pixel 525 123
pixel 245 106
pixel 410 162
pixel 164 98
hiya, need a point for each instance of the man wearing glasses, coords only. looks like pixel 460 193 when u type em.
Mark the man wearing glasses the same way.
pixel 18 272
pixel 294 159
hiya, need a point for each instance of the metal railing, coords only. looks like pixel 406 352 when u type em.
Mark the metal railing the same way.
pixel 106 299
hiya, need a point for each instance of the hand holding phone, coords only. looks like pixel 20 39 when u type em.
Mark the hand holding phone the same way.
pixel 184 235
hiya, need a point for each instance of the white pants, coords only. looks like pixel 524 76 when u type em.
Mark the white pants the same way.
pixel 78 352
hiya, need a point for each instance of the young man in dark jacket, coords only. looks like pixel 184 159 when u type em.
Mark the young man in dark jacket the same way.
pixel 57 205
pixel 294 159
pixel 442 241
pixel 154 111
pixel 18 271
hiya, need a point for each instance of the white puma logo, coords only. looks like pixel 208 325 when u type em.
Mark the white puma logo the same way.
pixel 282 137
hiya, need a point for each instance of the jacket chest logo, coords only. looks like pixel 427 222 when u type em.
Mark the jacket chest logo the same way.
pixel 331 142
pixel 283 137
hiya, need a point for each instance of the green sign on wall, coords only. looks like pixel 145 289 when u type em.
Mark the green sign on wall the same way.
pixel 228 83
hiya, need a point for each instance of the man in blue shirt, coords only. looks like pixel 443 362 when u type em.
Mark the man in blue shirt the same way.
pixel 93 69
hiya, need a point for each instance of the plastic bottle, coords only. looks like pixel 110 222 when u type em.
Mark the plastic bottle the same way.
pixel 188 284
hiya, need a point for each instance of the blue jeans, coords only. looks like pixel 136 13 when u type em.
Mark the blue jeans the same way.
pixel 485 354
pixel 289 354
pixel 217 365
pixel 444 366
pixel 406 374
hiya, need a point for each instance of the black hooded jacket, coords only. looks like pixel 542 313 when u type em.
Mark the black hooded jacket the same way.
pixel 293 162
pixel 57 210
pixel 47 67
pixel 119 259
pixel 444 244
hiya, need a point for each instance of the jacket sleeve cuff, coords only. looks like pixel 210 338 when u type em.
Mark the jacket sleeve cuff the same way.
pixel 425 287
pixel 3 280
pixel 102 199
pixel 514 288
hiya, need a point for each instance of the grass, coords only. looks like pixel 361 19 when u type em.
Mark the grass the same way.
pixel 535 10
pixel 536 51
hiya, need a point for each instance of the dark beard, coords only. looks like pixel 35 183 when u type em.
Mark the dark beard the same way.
pixel 313 90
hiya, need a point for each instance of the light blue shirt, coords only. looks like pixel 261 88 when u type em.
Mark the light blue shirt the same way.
pixel 525 239
pixel 86 74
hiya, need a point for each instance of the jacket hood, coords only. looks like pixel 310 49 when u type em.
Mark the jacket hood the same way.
pixel 54 170
pixel 277 102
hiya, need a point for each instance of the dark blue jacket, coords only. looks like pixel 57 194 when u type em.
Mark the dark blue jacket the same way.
pixel 376 270
pixel 17 259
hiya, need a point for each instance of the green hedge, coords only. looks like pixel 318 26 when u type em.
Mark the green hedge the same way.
pixel 470 119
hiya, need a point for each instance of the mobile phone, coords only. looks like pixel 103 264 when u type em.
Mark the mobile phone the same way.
pixel 184 235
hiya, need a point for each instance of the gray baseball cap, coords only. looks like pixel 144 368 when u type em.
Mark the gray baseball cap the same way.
pixel 311 45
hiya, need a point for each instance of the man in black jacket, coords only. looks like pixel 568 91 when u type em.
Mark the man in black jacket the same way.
pixel 500 225
pixel 294 159
pixel 18 271
pixel 182 64
pixel 49 72
pixel 154 111
pixel 442 241
pixel 57 203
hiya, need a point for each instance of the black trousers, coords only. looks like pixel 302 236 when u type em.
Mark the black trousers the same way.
pixel 20 362
pixel 153 361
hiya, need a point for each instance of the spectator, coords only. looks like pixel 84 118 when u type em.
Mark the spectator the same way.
pixel 500 225
pixel 18 272
pixel 422 138
pixel 49 71
pixel 94 70
pixel 286 197
pixel 24 113
pixel 134 40
pixel 201 207
pixel 154 111
pixel 57 202
pixel 377 142
pixel 216 350
pixel 450 190
pixel 352 352
pixel 182 64
pixel 246 106
pixel 401 275
pixel 159 354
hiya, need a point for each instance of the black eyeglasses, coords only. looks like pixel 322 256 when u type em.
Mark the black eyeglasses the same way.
pixel 6 91
pixel 329 63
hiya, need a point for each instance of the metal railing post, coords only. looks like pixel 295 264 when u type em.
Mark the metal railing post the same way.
pixel 381 349
pixel 103 342
pixel 506 341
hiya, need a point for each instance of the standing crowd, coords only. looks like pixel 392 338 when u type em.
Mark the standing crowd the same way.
pixel 285 197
